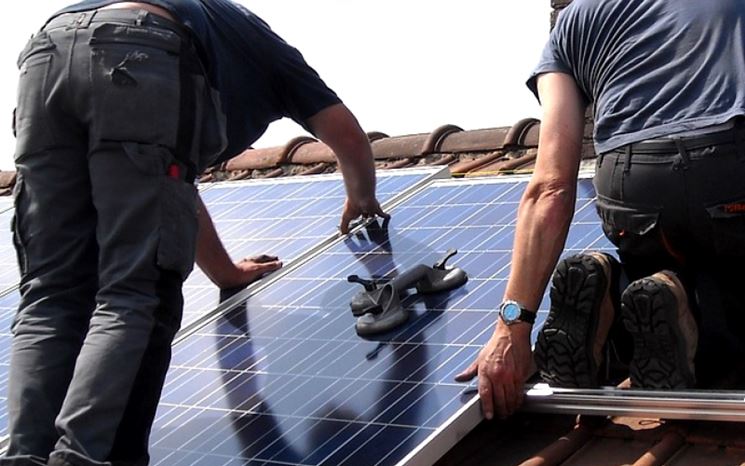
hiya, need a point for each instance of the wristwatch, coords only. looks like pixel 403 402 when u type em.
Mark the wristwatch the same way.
pixel 512 313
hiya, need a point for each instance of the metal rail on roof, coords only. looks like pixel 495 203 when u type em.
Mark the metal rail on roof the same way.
pixel 703 405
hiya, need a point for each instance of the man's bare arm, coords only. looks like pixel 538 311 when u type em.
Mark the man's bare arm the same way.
pixel 337 127
pixel 544 216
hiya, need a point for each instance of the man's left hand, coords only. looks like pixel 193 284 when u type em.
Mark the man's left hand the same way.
pixel 503 366
pixel 249 270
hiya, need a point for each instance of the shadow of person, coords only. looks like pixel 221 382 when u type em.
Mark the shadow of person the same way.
pixel 256 429
pixel 395 362
pixel 384 388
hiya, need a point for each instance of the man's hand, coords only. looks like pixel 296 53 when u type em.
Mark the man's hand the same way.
pixel 365 208
pixel 503 366
pixel 337 127
pixel 248 270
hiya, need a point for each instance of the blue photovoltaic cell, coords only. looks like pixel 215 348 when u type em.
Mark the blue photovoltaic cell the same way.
pixel 9 275
pixel 8 305
pixel 284 379
pixel 284 217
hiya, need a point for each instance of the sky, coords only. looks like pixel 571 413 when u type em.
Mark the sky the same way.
pixel 401 66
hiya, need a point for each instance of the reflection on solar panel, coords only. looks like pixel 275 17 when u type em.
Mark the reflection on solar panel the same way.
pixel 9 275
pixel 284 217
pixel 284 379
pixel 8 305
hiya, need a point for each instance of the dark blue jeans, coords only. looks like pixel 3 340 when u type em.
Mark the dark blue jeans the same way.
pixel 109 120
pixel 685 211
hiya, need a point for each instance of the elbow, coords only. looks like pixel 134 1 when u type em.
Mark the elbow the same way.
pixel 556 198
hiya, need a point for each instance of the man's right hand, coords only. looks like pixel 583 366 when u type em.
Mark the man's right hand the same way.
pixel 366 208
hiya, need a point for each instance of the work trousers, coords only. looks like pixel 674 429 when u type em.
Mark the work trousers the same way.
pixel 105 230
pixel 684 211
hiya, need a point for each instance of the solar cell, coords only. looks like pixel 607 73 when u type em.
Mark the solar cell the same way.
pixel 9 274
pixel 285 217
pixel 283 378
pixel 8 305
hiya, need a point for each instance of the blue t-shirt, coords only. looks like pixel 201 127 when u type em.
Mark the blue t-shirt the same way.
pixel 259 76
pixel 652 68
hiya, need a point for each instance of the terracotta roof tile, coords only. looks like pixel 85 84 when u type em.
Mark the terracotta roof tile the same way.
pixel 471 164
pixel 7 181
pixel 475 141
pixel 434 142
pixel 310 153
pixel 481 151
pixel 256 159
pixel 400 146
pixel 560 3
pixel 508 164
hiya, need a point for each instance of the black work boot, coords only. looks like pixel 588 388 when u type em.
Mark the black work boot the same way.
pixel 656 314
pixel 584 296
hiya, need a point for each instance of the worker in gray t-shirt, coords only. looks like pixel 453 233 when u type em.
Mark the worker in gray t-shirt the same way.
pixel 666 81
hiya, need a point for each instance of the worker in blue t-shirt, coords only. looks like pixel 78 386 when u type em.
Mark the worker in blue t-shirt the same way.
pixel 121 105
pixel 666 82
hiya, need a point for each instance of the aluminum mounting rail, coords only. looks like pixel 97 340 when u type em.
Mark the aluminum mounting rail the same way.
pixel 707 405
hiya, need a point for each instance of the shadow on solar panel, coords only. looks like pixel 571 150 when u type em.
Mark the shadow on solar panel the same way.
pixel 297 383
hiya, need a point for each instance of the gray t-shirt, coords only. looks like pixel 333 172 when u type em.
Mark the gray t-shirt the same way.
pixel 652 68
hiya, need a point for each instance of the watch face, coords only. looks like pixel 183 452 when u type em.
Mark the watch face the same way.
pixel 510 312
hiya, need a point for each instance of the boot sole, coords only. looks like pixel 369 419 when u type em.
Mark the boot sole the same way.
pixel 563 351
pixel 649 310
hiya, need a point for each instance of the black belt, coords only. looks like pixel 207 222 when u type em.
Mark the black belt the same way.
pixel 734 135
pixel 127 15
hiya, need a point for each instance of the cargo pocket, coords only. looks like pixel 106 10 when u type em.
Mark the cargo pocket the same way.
pixel 30 122
pixel 728 228
pixel 19 242
pixel 178 229
pixel 632 229
pixel 135 80
pixel 210 139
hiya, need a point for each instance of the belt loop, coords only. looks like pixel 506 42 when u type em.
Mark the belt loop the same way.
pixel 627 159
pixel 82 20
pixel 740 140
pixel 684 160
pixel 141 15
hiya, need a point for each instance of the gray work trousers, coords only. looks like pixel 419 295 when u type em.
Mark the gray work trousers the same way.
pixel 105 231
pixel 685 211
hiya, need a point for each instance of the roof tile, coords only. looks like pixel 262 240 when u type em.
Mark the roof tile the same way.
pixel 311 152
pixel 399 147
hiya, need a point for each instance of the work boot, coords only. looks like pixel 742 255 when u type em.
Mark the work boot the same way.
pixel 584 296
pixel 656 313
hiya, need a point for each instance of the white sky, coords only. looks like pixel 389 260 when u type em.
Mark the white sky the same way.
pixel 402 66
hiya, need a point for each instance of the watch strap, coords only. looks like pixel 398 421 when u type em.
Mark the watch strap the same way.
pixel 527 316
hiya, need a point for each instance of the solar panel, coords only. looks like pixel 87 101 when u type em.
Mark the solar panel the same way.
pixel 284 379
pixel 8 305
pixel 286 217
pixel 9 274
